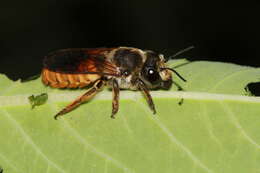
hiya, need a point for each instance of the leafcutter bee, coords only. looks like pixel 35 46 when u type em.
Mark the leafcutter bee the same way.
pixel 118 68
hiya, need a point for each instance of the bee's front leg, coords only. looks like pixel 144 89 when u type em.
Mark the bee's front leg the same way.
pixel 147 95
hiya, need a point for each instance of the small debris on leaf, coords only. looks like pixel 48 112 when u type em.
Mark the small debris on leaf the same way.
pixel 38 100
pixel 181 101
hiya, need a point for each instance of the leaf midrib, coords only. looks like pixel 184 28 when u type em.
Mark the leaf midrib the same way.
pixel 130 95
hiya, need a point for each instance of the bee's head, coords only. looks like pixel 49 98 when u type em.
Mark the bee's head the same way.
pixel 155 72
pixel 146 65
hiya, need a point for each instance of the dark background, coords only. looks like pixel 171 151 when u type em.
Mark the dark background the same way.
pixel 225 31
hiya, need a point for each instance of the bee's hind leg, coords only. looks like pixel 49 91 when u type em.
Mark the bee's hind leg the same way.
pixel 98 85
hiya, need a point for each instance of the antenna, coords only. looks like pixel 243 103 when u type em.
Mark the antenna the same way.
pixel 180 52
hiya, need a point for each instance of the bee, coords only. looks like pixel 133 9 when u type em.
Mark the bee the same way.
pixel 117 68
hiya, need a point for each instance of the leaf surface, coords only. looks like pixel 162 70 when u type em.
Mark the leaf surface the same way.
pixel 215 129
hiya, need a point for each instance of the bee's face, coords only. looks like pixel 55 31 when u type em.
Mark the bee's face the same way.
pixel 152 72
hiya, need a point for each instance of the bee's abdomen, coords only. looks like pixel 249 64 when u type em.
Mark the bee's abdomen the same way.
pixel 63 80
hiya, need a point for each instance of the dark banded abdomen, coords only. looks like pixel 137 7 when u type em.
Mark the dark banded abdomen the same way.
pixel 63 80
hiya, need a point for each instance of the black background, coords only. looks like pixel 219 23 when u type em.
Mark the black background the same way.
pixel 225 31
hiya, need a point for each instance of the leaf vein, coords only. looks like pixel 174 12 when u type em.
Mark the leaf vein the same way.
pixel 75 134
pixel 173 139
pixel 8 162
pixel 238 126
pixel 228 77
pixel 28 139
pixel 209 126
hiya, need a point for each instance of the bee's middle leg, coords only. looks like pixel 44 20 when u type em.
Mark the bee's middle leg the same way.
pixel 115 101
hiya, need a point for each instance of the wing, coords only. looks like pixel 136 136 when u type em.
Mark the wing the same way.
pixel 81 61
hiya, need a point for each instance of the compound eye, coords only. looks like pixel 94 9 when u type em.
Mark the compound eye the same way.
pixel 152 75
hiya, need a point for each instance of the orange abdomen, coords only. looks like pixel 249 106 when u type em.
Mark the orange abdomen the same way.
pixel 63 80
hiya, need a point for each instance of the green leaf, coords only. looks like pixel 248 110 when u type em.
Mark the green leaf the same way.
pixel 215 129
